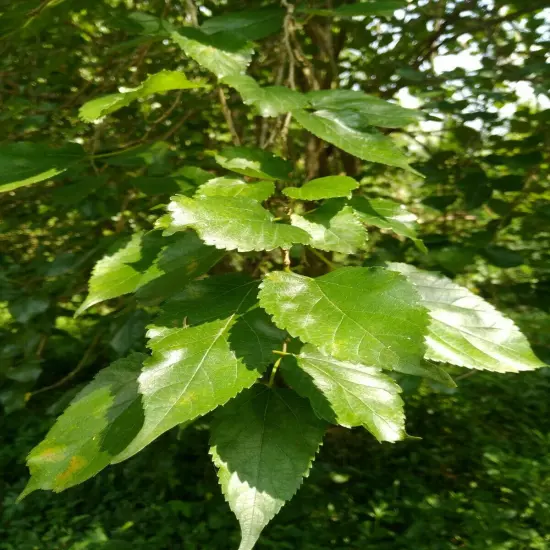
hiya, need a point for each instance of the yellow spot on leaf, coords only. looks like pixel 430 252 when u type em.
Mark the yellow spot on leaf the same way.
pixel 76 463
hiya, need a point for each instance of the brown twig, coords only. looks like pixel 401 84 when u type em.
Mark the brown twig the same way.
pixel 228 117
pixel 81 364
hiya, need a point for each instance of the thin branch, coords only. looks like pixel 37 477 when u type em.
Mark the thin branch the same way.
pixel 228 117
pixel 81 364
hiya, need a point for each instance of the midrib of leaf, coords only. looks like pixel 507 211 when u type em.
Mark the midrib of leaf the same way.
pixel 203 359
pixel 257 476
pixel 344 315
pixel 198 368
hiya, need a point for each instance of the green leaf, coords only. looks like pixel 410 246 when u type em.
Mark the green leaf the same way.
pixel 183 259
pixel 114 275
pixel 233 187
pixel 191 372
pixel 27 307
pixel 250 24
pixel 263 444
pixel 323 188
pixel 232 223
pixel 252 337
pixel 156 83
pixel 387 214
pixel 467 331
pixel 24 163
pixel 361 110
pixel 357 314
pixel 222 54
pixel 332 228
pixel 270 101
pixel 150 264
pixel 502 257
pixel 100 421
pixel 349 394
pixel 383 8
pixel 366 144
pixel 254 163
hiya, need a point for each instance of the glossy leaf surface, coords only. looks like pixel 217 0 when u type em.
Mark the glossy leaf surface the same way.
pixel 356 314
pixel 467 331
pixel 349 394
pixel 98 424
pixel 232 223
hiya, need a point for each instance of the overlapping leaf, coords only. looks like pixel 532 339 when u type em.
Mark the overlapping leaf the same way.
pixel 387 214
pixel 253 337
pixel 249 24
pixel 150 263
pixel 332 228
pixel 366 144
pixel 156 83
pixel 361 110
pixel 467 331
pixel 323 188
pixel 255 163
pixel 270 101
pixel 233 187
pixel 364 315
pixel 191 372
pixel 346 393
pixel 263 444
pixel 209 343
pixel 24 163
pixel 232 223
pixel 222 54
pixel 98 424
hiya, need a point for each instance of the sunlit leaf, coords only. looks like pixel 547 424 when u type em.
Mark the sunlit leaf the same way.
pixel 467 331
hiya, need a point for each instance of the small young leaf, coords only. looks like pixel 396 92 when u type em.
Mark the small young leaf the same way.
pixel 349 394
pixel 100 421
pixel 323 188
pixel 250 24
pixel 366 144
pixel 362 110
pixel 387 214
pixel 333 229
pixel 467 331
pixel 263 444
pixel 270 101
pixel 156 83
pixel 232 223
pixel 191 372
pixel 24 163
pixel 233 187
pixel 222 54
pixel 356 314
pixel 254 163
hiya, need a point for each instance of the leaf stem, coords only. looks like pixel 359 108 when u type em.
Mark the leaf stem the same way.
pixel 323 259
pixel 81 364
pixel 277 364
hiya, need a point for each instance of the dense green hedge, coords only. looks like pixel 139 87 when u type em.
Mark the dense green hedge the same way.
pixel 479 480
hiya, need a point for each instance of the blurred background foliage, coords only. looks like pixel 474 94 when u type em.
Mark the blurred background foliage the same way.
pixel 478 69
